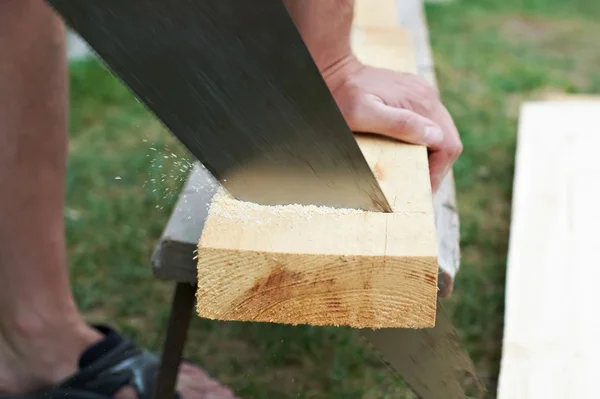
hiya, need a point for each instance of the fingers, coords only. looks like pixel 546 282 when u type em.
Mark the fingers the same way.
pixel 402 107
pixel 443 157
pixel 398 123
pixel 427 111
pixel 436 130
pixel 439 166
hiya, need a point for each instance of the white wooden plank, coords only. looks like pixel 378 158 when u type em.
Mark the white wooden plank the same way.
pixel 551 330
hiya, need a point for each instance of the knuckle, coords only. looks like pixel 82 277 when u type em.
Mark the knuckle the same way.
pixel 406 124
pixel 455 150
pixel 427 100
pixel 427 91
pixel 430 92
pixel 429 105
pixel 426 104
pixel 352 112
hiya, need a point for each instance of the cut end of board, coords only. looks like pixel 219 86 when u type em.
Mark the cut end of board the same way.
pixel 316 265
pixel 359 292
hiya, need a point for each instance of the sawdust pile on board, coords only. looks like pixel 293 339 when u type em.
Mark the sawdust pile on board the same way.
pixel 229 208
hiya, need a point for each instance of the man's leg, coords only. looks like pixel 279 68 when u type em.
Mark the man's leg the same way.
pixel 42 333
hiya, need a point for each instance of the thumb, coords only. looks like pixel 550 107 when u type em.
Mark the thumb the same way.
pixel 401 124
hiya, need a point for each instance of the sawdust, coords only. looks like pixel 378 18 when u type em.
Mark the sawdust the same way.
pixel 227 207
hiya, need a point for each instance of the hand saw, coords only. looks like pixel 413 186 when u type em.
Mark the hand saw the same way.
pixel 234 82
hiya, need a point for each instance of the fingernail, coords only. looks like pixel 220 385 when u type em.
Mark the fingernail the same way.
pixel 433 135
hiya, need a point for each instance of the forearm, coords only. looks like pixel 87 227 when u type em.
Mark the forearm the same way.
pixel 325 26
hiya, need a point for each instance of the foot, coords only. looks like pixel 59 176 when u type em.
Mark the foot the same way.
pixel 31 362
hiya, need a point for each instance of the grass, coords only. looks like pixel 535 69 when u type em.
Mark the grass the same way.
pixel 125 171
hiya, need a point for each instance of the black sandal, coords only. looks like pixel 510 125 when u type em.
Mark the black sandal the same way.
pixel 104 368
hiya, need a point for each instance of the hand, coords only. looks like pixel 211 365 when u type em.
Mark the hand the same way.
pixel 398 105
pixel 375 100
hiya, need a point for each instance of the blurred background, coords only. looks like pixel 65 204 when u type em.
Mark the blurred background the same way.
pixel 125 172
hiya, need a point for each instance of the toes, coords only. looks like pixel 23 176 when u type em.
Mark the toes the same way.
pixel 126 393
pixel 195 383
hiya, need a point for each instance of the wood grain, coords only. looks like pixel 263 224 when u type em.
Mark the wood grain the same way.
pixel 551 345
pixel 321 266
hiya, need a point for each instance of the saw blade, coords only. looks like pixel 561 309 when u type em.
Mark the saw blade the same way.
pixel 431 361
pixel 235 83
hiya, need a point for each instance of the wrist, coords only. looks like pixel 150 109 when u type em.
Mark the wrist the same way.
pixel 325 27
pixel 338 73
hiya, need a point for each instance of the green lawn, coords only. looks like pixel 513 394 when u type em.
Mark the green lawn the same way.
pixel 125 172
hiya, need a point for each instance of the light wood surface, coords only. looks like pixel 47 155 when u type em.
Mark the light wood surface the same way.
pixel 311 265
pixel 379 14
pixel 551 337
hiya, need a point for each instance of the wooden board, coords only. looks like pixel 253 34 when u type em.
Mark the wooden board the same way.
pixel 551 345
pixel 310 265
pixel 378 14
pixel 174 256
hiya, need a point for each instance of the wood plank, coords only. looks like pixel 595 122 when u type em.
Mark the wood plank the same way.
pixel 319 266
pixel 378 14
pixel 280 264
pixel 391 48
pixel 551 346
pixel 173 256
pixel 411 15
